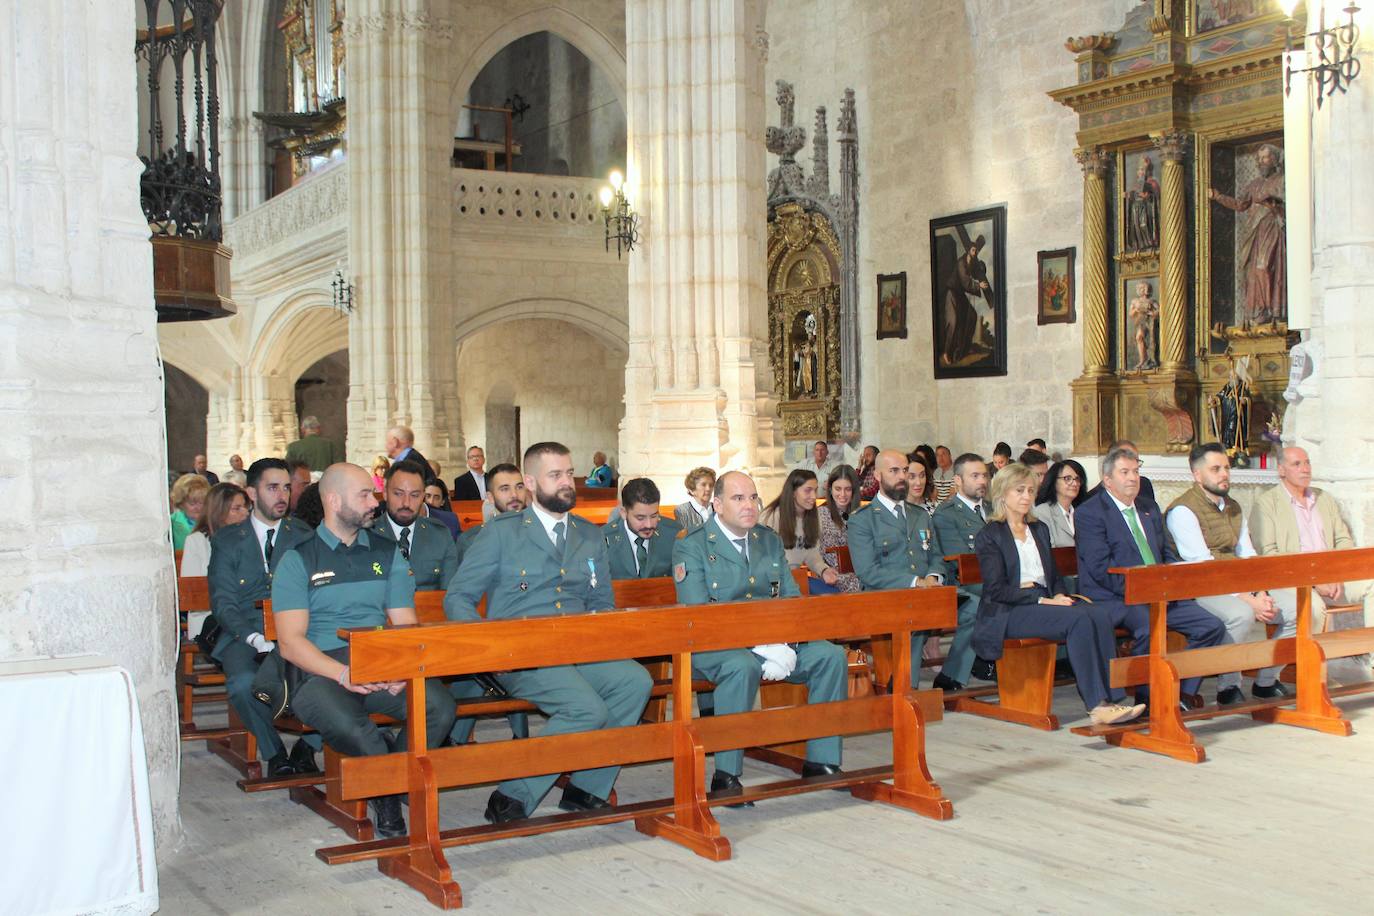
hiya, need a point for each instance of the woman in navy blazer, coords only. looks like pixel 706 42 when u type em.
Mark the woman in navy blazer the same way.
pixel 1023 602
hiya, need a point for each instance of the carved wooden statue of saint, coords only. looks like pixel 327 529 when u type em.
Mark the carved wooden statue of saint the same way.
pixel 1143 315
pixel 1142 209
pixel 1264 264
pixel 1230 410
pixel 804 362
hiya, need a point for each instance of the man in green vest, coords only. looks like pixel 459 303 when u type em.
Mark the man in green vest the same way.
pixel 343 577
pixel 312 448
pixel 1206 524
pixel 640 541
pixel 734 558
pixel 544 562
pixel 424 543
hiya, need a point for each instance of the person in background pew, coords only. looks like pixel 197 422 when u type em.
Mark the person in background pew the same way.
pixel 200 466
pixel 1001 457
pixel 1039 445
pixel 892 545
pixel 1060 494
pixel 188 501
pixel 344 577
pixel 400 445
pixel 472 483
pixel 793 515
pixel 601 474
pixel 920 483
pixel 1206 525
pixel 843 486
pixel 237 478
pixel 694 513
pixel 734 558
pixel 243 560
pixel 957 522
pixel 1038 462
pixel 379 466
pixel 505 493
pixel 308 508
pixel 944 473
pixel 867 472
pixel 300 482
pixel 1147 489
pixel 438 507
pixel 539 562
pixel 1119 527
pixel 639 543
pixel 425 544
pixel 236 464
pixel 1024 598
pixel 225 505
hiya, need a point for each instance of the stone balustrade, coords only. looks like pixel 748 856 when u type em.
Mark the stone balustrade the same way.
pixel 520 202
pixel 301 210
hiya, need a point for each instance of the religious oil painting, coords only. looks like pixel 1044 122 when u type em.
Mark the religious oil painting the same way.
pixel 968 270
pixel 1055 287
pixel 1218 14
pixel 892 305
pixel 1139 322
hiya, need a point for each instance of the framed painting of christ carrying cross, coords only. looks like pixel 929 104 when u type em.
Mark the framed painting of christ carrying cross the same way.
pixel 968 291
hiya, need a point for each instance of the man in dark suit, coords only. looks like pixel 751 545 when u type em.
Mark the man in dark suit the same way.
pixel 1117 528
pixel 425 544
pixel 201 466
pixel 640 542
pixel 400 446
pixel 472 483
pixel 1147 489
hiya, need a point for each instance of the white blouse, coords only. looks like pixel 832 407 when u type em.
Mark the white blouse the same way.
pixel 195 555
pixel 1028 552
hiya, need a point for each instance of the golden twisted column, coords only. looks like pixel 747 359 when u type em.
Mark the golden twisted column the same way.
pixel 1173 252
pixel 1096 293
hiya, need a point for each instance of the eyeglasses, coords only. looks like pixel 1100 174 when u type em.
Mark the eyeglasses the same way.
pixel 1070 478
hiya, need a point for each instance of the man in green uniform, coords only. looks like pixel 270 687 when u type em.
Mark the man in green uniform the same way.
pixel 733 558
pixel 312 448
pixel 957 523
pixel 505 493
pixel 640 542
pixel 342 577
pixel 242 559
pixel 891 543
pixel 424 543
pixel 536 563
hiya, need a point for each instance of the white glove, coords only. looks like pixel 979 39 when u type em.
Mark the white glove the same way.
pixel 260 642
pixel 779 660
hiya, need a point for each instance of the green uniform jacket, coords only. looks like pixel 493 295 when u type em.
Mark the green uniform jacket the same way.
pixel 238 577
pixel 889 554
pixel 433 553
pixel 464 541
pixel 316 451
pixel 956 525
pixel 515 563
pixel 707 567
pixel 621 548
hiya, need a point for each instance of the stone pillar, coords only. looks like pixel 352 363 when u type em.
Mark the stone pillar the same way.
pixel 78 345
pixel 401 359
pixel 697 381
pixel 1094 393
pixel 1173 251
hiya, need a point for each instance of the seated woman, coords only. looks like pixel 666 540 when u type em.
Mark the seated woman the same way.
pixel 1023 597
pixel 310 508
pixel 1059 495
pixel 793 515
pixel 693 513
pixel 920 483
pixel 225 505
pixel 843 484
pixel 188 500
pixel 440 509
pixel 379 466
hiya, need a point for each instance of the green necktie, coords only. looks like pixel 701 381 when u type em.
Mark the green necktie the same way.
pixel 641 555
pixel 560 539
pixel 1146 554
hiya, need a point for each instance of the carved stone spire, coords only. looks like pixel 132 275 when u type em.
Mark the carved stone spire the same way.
pixel 819 185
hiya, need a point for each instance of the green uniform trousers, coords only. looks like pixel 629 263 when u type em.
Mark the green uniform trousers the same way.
pixel 342 717
pixel 240 663
pixel 466 688
pixel 959 660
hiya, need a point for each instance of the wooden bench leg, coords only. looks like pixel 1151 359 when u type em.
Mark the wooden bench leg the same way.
pixel 1314 707
pixel 349 816
pixel 1025 689
pixel 1166 734
pixel 239 750
pixel 691 824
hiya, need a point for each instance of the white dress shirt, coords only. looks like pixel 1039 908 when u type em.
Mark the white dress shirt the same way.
pixel 1192 546
pixel 260 528
pixel 704 512
pixel 548 521
pixel 1028 552
pixel 481 480
pixel 634 538
pixel 976 507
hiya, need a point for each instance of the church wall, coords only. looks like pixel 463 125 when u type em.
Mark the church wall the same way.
pixel 952 117
pixel 187 404
pixel 568 385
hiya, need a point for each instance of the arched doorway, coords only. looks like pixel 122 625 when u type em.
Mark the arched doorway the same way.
pixel 322 392
pixel 187 404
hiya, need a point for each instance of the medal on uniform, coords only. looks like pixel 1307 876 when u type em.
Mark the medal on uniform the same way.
pixel 774 589
pixel 591 567
pixel 925 539
pixel 523 586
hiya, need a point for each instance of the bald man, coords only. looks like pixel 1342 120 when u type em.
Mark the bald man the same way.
pixel 400 446
pixel 344 577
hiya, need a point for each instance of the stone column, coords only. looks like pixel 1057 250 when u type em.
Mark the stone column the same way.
pixel 1173 251
pixel 401 359
pixel 697 381
pixel 83 389
pixel 1097 293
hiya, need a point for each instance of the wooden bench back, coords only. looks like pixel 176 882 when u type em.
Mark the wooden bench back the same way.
pixel 193 593
pixel 596 511
pixel 1175 582
pixel 970 573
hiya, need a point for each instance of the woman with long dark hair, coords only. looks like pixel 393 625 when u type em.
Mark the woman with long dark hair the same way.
pixel 921 482
pixel 1064 487
pixel 794 516
pixel 844 487
pixel 225 504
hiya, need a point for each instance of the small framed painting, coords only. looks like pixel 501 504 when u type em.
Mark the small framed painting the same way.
pixel 1055 270
pixel 892 305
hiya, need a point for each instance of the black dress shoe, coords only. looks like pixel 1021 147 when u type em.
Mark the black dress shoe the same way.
pixel 822 769
pixel 574 799
pixel 1230 696
pixel 946 683
pixel 1272 692
pixel 386 816
pixel 303 758
pixel 280 765
pixel 1063 671
pixel 984 670
pixel 728 784
pixel 502 809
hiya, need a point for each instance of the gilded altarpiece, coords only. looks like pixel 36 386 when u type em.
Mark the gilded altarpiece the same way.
pixel 1180 126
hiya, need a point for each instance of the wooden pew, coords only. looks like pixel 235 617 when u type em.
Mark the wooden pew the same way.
pixel 1164 732
pixel 414 653
pixel 234 743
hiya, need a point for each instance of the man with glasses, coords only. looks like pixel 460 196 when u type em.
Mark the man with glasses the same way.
pixel 1147 489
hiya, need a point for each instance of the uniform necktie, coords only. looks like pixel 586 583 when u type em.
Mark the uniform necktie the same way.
pixel 405 544
pixel 1146 554
pixel 267 549
pixel 559 538
pixel 641 555
pixel 743 545
pixel 979 509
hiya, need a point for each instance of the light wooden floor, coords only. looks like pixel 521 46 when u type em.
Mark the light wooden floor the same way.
pixel 1276 821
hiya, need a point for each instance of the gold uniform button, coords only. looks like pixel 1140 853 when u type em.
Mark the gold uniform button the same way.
pixel 751 580
pixel 561 572
pixel 558 604
pixel 242 581
pixel 714 585
pixel 559 588
pixel 748 594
